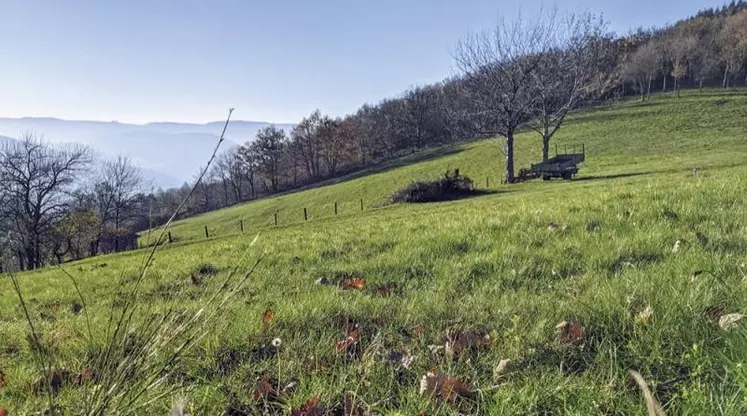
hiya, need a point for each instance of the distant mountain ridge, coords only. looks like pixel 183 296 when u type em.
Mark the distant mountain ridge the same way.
pixel 170 153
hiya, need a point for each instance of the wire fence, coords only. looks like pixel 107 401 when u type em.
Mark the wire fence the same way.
pixel 276 220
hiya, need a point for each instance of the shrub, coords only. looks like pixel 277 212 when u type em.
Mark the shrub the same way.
pixel 449 187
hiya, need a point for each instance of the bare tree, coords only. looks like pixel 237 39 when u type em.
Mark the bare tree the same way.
pixel 230 171
pixel 334 143
pixel 35 182
pixel 268 148
pixel 570 73
pixel 499 68
pixel 117 192
pixel 221 171
pixel 246 168
pixel 308 145
pixel 662 46
pixel 683 47
pixel 733 42
pixel 422 115
pixel 642 67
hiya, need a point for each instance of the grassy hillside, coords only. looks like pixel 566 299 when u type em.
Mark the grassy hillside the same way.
pixel 601 251
pixel 663 135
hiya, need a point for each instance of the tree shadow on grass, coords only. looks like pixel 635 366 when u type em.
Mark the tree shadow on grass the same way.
pixel 473 194
pixel 617 175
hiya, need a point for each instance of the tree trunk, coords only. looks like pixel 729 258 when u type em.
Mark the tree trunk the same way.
pixel 510 157
pixel 30 258
pixel 725 83
pixel 700 85
pixel 93 247
pixel 664 86
pixel 648 90
pixel 545 146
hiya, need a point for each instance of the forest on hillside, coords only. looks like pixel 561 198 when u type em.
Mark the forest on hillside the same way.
pixel 526 73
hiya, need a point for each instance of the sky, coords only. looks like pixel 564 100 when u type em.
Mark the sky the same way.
pixel 140 61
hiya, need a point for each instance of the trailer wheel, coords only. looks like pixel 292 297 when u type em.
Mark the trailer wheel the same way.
pixel 546 177
pixel 567 176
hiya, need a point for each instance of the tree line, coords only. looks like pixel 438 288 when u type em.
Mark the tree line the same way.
pixel 524 74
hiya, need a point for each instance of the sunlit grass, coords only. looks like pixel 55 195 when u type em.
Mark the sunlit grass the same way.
pixel 514 264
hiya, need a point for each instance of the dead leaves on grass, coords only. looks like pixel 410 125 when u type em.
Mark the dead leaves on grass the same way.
pixel 310 408
pixel 570 332
pixel 354 284
pixel 269 390
pixel 437 384
pixel 267 317
pixel 459 342
pixel 349 345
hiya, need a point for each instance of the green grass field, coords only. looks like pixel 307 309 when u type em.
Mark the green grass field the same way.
pixel 512 264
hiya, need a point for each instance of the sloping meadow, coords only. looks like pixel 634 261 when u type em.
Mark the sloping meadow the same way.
pixel 519 303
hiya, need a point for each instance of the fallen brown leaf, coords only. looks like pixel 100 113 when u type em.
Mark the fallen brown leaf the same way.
pixel 266 391
pixel 3 411
pixel 267 317
pixel 570 332
pixel 269 391
pixel 356 283
pixel 451 389
pixel 310 408
pixel 458 342
pixel 448 388
pixel 350 344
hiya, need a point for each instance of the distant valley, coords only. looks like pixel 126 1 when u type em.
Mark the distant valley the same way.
pixel 169 153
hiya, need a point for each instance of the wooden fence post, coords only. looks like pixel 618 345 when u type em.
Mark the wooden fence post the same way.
pixel 305 215
pixel 276 218
pixel 242 225
pixel 335 207
pixel 361 204
pixel 207 234
pixel 171 240
pixel 487 181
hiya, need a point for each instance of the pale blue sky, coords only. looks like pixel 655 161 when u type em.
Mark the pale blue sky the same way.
pixel 154 60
